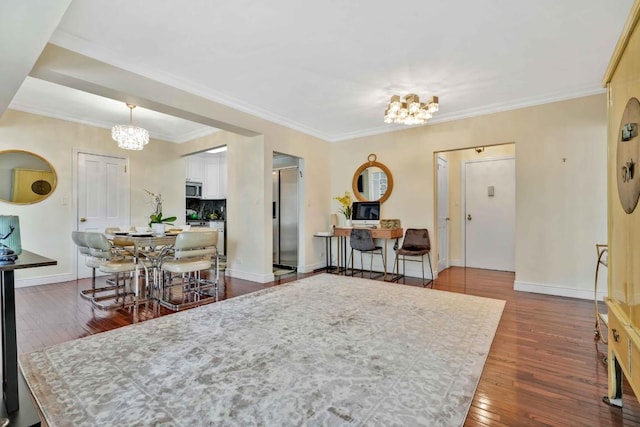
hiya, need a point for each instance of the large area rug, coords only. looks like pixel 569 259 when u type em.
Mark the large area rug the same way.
pixel 325 350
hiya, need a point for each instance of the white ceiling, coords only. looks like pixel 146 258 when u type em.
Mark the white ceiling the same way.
pixel 329 68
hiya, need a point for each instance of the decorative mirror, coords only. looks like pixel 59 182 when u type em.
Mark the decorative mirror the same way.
pixel 372 181
pixel 25 177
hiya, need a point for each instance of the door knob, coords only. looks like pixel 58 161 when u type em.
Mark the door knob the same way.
pixel 469 217
pixel 83 219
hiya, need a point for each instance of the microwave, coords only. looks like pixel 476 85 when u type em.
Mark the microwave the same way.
pixel 194 190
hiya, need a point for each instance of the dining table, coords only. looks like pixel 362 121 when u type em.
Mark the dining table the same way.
pixel 148 251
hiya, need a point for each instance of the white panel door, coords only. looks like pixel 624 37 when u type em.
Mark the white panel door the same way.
pixel 443 213
pixel 490 214
pixel 103 196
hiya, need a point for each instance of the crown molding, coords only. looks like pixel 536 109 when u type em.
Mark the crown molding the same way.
pixel 37 110
pixel 476 112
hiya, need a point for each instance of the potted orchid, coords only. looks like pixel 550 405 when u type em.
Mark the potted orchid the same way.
pixel 345 206
pixel 156 216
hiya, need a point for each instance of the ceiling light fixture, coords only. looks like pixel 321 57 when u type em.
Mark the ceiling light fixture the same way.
pixel 410 111
pixel 128 136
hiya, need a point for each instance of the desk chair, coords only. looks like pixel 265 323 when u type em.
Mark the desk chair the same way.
pixel 361 241
pixel 416 243
pixel 193 253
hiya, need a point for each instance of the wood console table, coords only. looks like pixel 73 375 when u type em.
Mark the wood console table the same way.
pixel 17 405
pixel 376 233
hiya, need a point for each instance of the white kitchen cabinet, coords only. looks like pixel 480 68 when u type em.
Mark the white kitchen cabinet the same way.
pixel 215 177
pixel 195 168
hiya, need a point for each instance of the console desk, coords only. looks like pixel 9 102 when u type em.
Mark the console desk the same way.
pixel 17 404
pixel 377 233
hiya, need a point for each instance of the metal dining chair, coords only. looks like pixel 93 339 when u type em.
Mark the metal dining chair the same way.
pixel 93 262
pixel 416 243
pixel 361 240
pixel 115 262
pixel 193 252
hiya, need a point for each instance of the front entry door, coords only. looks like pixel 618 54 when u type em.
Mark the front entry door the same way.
pixel 490 214
pixel 103 196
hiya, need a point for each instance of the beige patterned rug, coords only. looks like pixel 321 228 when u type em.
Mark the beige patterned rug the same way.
pixel 326 350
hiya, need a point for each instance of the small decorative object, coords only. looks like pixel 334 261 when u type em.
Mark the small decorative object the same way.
pixel 13 240
pixel 10 236
pixel 628 153
pixel 389 223
pixel 346 209
pixel 156 216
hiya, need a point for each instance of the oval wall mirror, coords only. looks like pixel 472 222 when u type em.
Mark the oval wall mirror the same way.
pixel 372 181
pixel 25 177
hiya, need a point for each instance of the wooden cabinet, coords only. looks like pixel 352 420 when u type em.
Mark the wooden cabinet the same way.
pixel 622 80
pixel 195 168
pixel 215 177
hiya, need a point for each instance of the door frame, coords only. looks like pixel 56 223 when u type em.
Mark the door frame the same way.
pixel 447 237
pixel 463 196
pixel 74 195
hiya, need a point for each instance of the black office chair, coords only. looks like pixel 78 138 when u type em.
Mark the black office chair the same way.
pixel 361 240
pixel 416 243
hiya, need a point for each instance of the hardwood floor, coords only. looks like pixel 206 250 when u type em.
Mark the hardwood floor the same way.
pixel 544 367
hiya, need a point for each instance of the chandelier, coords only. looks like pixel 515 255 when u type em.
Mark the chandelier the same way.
pixel 410 111
pixel 128 136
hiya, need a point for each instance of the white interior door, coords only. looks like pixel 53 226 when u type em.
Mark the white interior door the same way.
pixel 102 186
pixel 443 213
pixel 490 214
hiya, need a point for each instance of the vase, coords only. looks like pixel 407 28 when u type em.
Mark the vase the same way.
pixel 8 222
pixel 157 228
pixel 348 223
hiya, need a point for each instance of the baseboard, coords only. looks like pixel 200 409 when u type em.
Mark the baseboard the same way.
pixel 312 267
pixel 253 277
pixel 456 263
pixel 44 280
pixel 556 290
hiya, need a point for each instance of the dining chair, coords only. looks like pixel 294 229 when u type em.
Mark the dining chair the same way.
pixel 362 241
pixel 112 261
pixel 416 243
pixel 193 252
pixel 79 238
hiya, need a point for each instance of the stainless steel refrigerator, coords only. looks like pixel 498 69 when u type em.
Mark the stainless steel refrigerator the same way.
pixel 285 217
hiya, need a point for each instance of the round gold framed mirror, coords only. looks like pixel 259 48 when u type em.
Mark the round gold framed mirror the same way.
pixel 25 177
pixel 372 181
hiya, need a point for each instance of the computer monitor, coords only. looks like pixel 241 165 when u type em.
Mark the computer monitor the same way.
pixel 366 213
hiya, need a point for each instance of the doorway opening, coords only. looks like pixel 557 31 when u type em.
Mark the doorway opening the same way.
pixel 285 213
pixel 475 207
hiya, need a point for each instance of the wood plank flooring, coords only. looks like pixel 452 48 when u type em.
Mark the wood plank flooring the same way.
pixel 544 368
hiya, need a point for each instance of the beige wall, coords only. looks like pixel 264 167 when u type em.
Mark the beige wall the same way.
pixel 560 204
pixel 160 167
pixel 561 210
pixel 46 226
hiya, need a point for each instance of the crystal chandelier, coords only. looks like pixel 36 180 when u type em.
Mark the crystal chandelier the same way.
pixel 128 136
pixel 410 111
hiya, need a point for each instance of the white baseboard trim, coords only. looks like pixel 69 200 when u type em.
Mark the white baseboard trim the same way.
pixel 556 290
pixel 44 280
pixel 456 263
pixel 253 277
pixel 311 267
